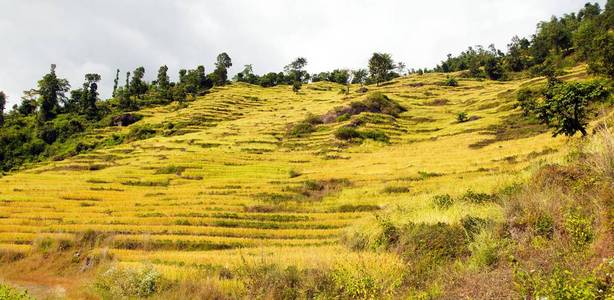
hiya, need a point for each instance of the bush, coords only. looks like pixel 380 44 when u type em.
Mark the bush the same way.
pixel 434 242
pixel 302 129
pixel 119 282
pixel 347 133
pixel 443 201
pixel 579 228
pixel 7 293
pixel 140 133
pixel 375 135
pixel 395 189
pixel 484 250
pixel 544 226
pixel 476 198
pixel 461 117
pixel 450 81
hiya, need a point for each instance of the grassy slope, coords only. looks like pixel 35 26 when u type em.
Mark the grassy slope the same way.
pixel 236 155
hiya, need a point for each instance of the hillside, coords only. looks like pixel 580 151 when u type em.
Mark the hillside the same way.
pixel 229 187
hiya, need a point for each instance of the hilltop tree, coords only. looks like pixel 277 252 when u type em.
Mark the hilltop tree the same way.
pixel 380 66
pixel 125 102
pixel 115 82
pixel 360 76
pixel 91 86
pixel 220 74
pixel 296 73
pixel 247 75
pixel 137 86
pixel 51 90
pixel 163 83
pixel 2 105
pixel 28 104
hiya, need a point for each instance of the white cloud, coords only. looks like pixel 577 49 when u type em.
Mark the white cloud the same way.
pixel 102 35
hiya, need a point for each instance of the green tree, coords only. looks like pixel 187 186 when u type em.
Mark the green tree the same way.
pixel 115 82
pixel 360 76
pixel 137 86
pixel 380 66
pixel 28 103
pixel 601 58
pixel 223 62
pixel 296 73
pixel 163 83
pixel 51 90
pixel 2 105
pixel 91 86
pixel 566 106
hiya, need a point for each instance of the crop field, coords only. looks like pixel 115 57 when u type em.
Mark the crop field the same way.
pixel 223 183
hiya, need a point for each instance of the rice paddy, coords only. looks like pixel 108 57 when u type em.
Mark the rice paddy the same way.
pixel 224 184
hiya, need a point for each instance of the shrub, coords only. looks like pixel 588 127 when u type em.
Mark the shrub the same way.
pixel 472 225
pixel 347 133
pixel 443 201
pixel 171 170
pixel 477 198
pixel 119 282
pixel 544 226
pixel 579 228
pixel 484 250
pixel 301 129
pixel 435 242
pixel 7 293
pixel 395 189
pixel 140 133
pixel 375 135
pixel 461 117
pixel 450 81
pixel 294 173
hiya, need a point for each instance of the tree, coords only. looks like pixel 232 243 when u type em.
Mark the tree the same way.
pixel 400 67
pixel 360 76
pixel 28 103
pixel 296 73
pixel 2 105
pixel 567 105
pixel 115 82
pixel 247 75
pixel 125 102
pixel 137 86
pixel 220 74
pixel 380 66
pixel 493 68
pixel 163 83
pixel 91 96
pixel 601 59
pixel 51 90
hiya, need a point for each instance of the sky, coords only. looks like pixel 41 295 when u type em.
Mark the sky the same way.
pixel 100 36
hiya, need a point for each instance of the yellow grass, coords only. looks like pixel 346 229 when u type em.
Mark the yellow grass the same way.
pixel 235 148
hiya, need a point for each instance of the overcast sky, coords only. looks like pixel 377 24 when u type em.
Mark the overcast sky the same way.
pixel 99 36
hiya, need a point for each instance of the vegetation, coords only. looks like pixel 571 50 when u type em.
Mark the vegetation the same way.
pixel 179 190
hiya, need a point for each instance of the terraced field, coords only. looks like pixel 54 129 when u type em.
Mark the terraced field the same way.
pixel 225 184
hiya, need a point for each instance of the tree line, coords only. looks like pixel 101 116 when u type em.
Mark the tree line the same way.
pixel 585 36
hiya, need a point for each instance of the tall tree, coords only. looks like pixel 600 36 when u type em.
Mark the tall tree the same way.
pixel 2 105
pixel 296 73
pixel 163 83
pixel 380 66
pixel 137 86
pixel 223 62
pixel 360 76
pixel 115 82
pixel 51 90
pixel 91 87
